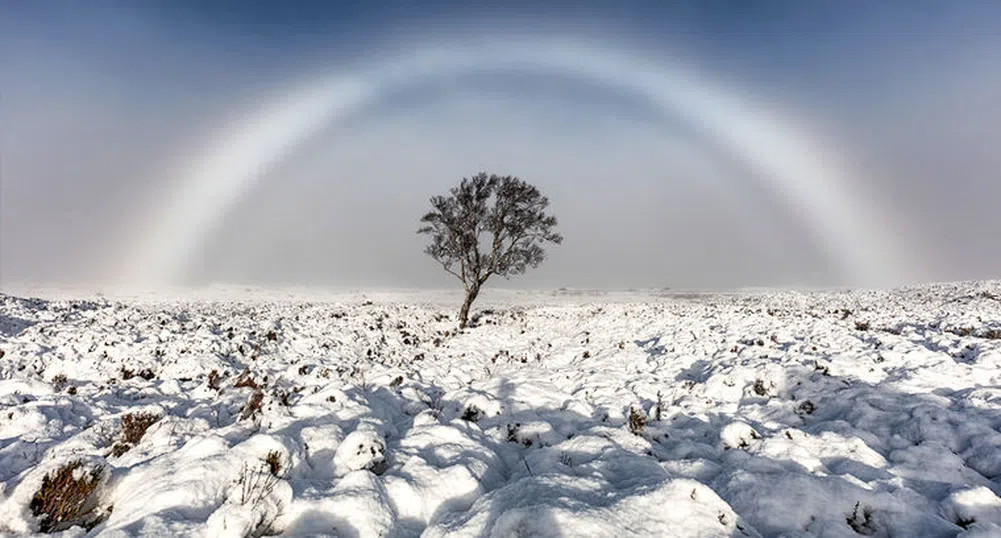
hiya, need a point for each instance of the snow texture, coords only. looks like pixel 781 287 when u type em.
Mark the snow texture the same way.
pixel 792 414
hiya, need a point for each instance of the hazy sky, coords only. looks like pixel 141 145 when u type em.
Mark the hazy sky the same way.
pixel 106 107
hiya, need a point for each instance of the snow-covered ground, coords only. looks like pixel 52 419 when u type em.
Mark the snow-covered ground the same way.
pixel 832 414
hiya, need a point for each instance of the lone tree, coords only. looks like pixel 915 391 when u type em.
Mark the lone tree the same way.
pixel 488 225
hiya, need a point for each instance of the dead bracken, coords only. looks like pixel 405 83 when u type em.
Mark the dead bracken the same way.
pixel 253 406
pixel 134 426
pixel 66 496
pixel 637 421
pixel 245 380
pixel 274 463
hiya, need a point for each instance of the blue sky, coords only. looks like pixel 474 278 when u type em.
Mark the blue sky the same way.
pixel 103 100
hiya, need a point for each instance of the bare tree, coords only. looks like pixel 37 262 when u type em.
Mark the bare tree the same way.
pixel 488 225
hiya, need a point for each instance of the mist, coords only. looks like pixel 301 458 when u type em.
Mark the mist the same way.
pixel 99 105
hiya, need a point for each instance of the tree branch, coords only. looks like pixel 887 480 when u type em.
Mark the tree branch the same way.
pixel 449 270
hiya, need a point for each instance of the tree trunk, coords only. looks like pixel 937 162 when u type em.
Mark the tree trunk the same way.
pixel 471 294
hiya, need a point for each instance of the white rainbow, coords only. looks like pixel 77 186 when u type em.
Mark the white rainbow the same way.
pixel 816 185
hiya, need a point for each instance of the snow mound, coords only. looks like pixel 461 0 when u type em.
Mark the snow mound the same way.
pixel 976 505
pixel 361 449
pixel 556 506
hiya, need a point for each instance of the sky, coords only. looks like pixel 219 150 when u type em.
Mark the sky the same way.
pixel 682 144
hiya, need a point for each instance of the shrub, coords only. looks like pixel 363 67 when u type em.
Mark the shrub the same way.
pixel 992 334
pixel 637 421
pixel 861 325
pixel 965 523
pixel 255 484
pixel 274 463
pixel 134 425
pixel 66 496
pixel 145 373
pixel 512 432
pixel 214 379
pixel 246 381
pixel 59 382
pixel 254 502
pixel 472 414
pixel 861 520
pixel 253 405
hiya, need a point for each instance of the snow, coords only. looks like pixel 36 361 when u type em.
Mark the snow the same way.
pixel 300 413
pixel 361 449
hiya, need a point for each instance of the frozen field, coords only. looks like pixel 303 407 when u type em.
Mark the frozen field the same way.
pixel 558 414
